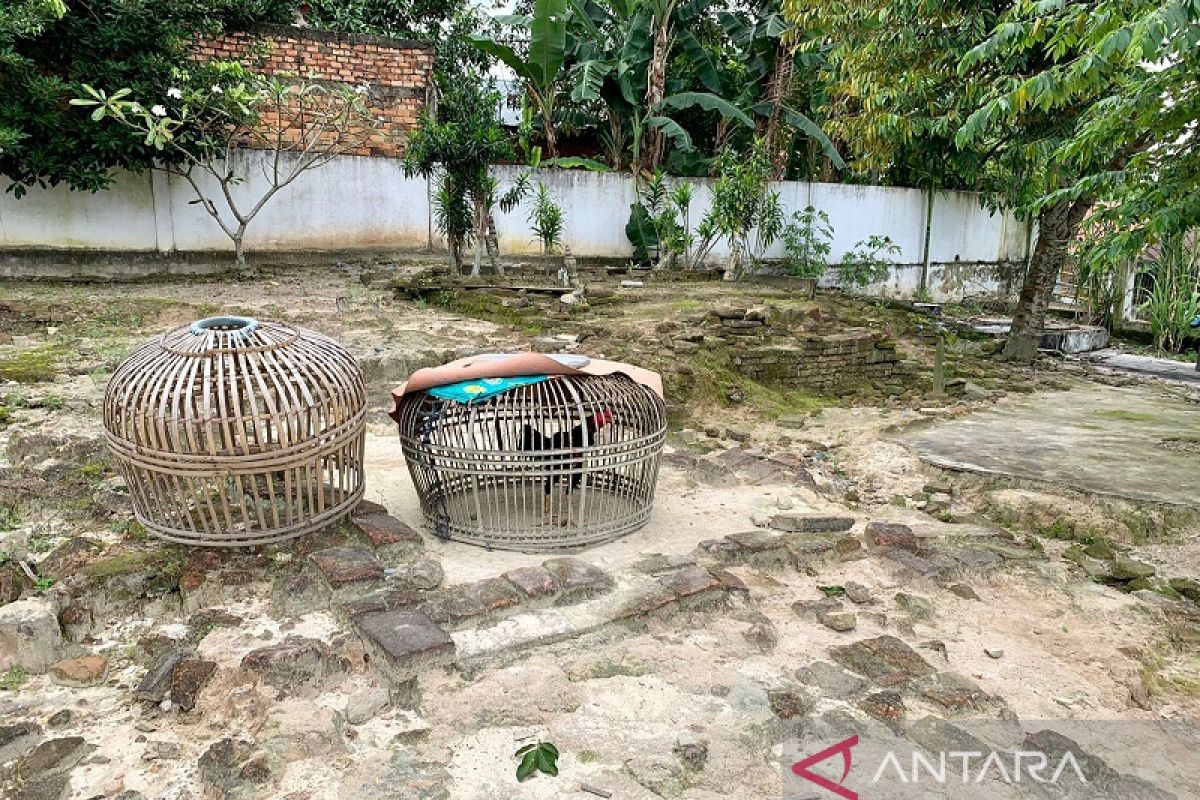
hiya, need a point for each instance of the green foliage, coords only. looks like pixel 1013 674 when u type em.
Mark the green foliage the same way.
pixel 807 239
pixel 868 262
pixel 832 591
pixel 14 679
pixel 1131 144
pixel 8 519
pixel 546 220
pixel 742 201
pixel 1174 300
pixel 42 584
pixel 538 757
pixel 658 222
pixel 139 45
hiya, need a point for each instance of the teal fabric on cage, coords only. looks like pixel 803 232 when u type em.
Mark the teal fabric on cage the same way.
pixel 482 388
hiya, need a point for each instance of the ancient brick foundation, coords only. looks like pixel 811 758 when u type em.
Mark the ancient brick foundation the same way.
pixel 824 362
pixel 396 73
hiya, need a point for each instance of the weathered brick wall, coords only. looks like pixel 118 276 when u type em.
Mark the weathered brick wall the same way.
pixel 398 73
pixel 772 347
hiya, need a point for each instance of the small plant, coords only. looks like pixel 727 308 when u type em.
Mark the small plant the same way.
pixel 546 220
pixel 807 240
pixel 42 584
pixel 922 295
pixel 658 222
pixel 742 201
pixel 14 679
pixel 537 757
pixel 869 262
pixel 8 519
pixel 832 591
pixel 1173 301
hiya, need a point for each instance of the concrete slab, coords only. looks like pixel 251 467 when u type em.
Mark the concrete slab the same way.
pixel 1137 443
pixel 1165 368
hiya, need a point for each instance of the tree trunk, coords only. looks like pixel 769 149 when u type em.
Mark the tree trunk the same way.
pixel 493 244
pixel 777 92
pixel 656 81
pixel 1058 226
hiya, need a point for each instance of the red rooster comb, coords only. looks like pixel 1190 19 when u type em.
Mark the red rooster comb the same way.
pixel 603 418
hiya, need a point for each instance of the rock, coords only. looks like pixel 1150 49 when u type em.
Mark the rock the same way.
pixel 917 607
pixel 891 534
pixel 422 575
pixel 884 659
pixel 256 771
pixel 83 671
pixel 363 705
pixel 18 739
pixel 786 704
pixel 382 600
pixel 690 581
pixel 962 590
pixel 220 763
pixel 111 498
pixel 737 435
pixel 762 635
pixel 403 642
pixel 58 719
pixel 346 566
pixel 1124 568
pixel 577 580
pixel 533 582
pixel 811 523
pixel 832 680
pixel 154 686
pixel 838 620
pixel 66 559
pixel 937 646
pixel 29 635
pixel 952 691
pixel 206 619
pixel 187 679
pixel 857 593
pixel 53 756
pixel 389 536
pixel 885 705
pixel 1186 587
pixel 691 751
pixel 294 664
pixel 993 652
pixel 13 583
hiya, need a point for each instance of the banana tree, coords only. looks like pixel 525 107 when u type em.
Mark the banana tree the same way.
pixel 618 51
pixel 768 64
pixel 540 68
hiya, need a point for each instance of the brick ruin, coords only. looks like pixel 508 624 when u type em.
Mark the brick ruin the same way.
pixel 772 348
pixel 398 73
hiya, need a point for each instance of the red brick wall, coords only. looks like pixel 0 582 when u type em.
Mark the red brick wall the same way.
pixel 398 73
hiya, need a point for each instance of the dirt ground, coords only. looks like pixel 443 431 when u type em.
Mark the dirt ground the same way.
pixel 1011 583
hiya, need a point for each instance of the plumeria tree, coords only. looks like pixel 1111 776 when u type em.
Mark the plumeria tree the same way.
pixel 301 124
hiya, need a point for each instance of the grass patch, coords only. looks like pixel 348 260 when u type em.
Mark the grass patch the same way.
pixel 33 366
pixel 715 377
pixel 14 679
pixel 1122 415
pixel 481 305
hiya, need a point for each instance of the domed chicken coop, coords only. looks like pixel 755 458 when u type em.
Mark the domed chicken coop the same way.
pixel 234 432
pixel 533 453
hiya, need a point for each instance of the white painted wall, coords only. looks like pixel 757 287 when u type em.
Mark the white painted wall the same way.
pixel 357 202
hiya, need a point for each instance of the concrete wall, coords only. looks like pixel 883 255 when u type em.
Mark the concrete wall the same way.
pixel 357 203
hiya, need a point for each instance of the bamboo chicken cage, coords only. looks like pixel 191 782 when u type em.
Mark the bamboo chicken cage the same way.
pixel 564 463
pixel 234 432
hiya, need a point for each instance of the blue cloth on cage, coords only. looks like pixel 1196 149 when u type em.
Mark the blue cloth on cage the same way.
pixel 482 388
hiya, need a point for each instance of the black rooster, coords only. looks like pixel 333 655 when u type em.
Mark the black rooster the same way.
pixel 581 436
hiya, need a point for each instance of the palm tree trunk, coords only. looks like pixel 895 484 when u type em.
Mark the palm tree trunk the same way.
pixel 1058 225
pixel 656 82
pixel 777 93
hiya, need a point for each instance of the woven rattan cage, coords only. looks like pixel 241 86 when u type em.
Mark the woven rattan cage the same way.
pixel 233 432
pixel 484 477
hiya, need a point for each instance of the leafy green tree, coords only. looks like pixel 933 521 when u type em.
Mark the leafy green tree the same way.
pixel 136 44
pixel 808 240
pixel 456 145
pixel 918 100
pixel 1133 150
pixel 23 18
